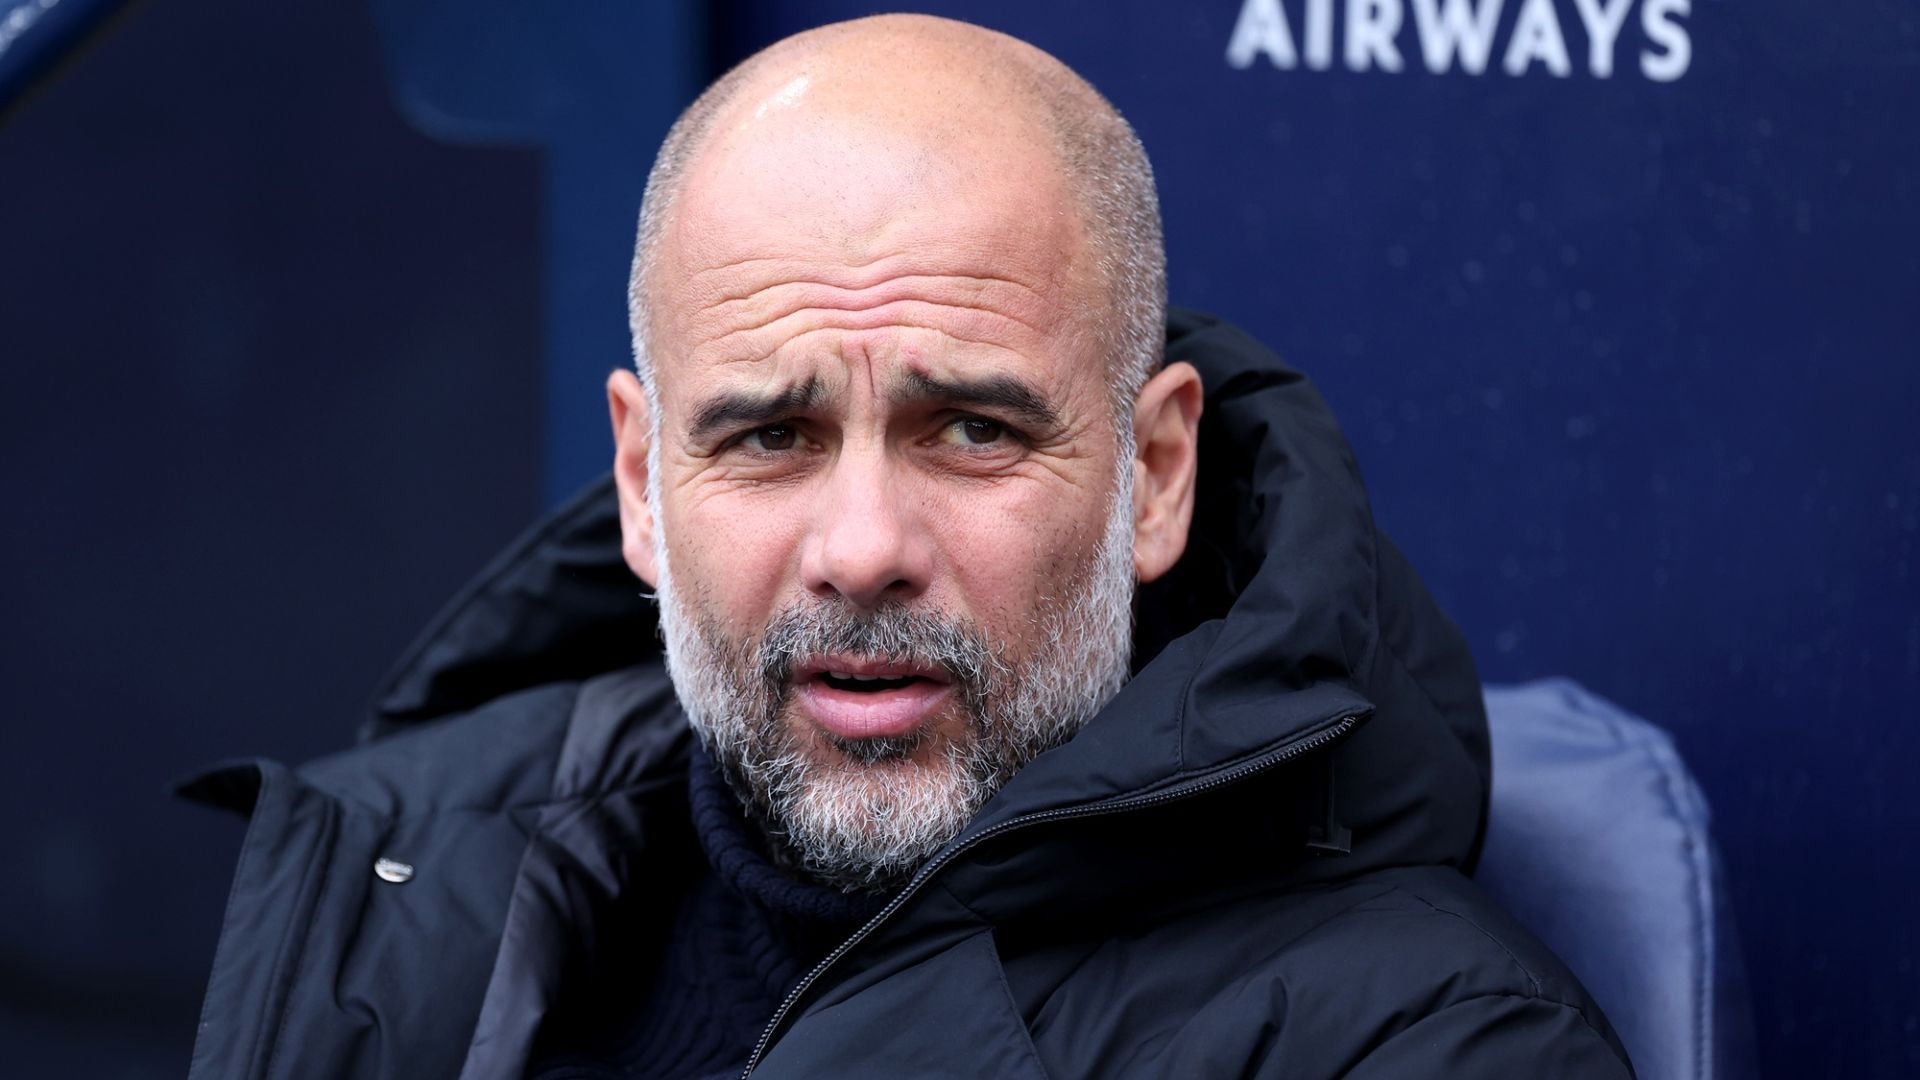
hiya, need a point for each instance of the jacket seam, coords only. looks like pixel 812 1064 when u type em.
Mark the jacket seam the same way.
pixel 1385 640
pixel 1013 1005
pixel 292 953
pixel 248 852
pixel 1180 726
pixel 1372 535
pixel 1401 663
pixel 1533 981
pixel 1534 998
pixel 969 908
pixel 1211 911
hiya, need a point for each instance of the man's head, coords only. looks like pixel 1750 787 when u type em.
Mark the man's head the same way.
pixel 897 449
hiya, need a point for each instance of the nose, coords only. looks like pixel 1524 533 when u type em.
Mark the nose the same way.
pixel 867 544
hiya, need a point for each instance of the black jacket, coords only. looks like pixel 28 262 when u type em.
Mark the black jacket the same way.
pixel 1253 862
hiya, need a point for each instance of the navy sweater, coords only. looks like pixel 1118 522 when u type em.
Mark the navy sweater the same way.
pixel 744 933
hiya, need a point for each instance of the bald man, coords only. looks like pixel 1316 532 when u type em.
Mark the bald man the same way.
pixel 1034 695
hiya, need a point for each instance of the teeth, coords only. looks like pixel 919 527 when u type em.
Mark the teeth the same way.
pixel 856 678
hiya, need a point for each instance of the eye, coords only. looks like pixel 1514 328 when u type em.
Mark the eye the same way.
pixel 771 439
pixel 974 431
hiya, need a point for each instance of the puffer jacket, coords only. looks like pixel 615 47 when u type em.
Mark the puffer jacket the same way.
pixel 1254 862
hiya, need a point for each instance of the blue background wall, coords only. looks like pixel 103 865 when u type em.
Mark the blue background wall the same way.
pixel 269 372
pixel 298 323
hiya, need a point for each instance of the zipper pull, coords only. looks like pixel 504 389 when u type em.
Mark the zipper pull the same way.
pixel 1325 834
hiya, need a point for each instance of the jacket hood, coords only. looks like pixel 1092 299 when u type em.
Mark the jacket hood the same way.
pixel 1289 620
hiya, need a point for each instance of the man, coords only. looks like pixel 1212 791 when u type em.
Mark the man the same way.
pixel 902 438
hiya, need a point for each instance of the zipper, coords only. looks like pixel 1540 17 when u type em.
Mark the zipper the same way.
pixel 1233 775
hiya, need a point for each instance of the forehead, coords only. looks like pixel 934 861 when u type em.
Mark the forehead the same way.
pixel 801 213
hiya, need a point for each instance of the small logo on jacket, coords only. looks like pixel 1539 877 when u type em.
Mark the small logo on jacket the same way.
pixel 393 870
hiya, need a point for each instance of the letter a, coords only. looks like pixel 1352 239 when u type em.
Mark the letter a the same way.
pixel 1536 36
pixel 1262 28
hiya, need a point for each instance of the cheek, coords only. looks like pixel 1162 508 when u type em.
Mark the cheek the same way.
pixel 1011 557
pixel 730 558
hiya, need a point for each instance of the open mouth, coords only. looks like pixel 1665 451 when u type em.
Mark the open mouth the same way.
pixel 858 698
pixel 868 684
pixel 856 674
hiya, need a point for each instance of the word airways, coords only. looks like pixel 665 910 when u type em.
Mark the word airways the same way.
pixel 1463 33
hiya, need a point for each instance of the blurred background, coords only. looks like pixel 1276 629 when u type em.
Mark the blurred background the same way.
pixel 305 307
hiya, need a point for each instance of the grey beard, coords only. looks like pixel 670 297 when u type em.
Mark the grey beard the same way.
pixel 866 815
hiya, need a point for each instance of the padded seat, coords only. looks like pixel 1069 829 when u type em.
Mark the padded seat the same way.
pixel 1598 841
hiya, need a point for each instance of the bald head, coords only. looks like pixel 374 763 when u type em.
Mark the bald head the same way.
pixel 902 107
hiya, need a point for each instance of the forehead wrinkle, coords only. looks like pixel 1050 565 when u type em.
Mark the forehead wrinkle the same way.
pixel 974 268
pixel 746 261
pixel 883 284
pixel 718 304
pixel 984 296
pixel 759 343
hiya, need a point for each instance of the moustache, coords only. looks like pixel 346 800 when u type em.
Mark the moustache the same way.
pixel 892 634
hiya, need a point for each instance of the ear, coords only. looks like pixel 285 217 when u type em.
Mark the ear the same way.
pixel 632 433
pixel 1166 433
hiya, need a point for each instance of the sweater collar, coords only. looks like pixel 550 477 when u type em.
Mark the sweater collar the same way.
pixel 739 859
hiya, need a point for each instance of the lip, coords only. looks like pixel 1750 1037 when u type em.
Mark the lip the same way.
pixel 877 714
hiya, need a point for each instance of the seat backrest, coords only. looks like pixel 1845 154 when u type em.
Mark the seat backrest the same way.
pixel 1598 841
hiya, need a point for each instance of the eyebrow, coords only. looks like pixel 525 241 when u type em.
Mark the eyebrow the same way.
pixel 740 408
pixel 1003 393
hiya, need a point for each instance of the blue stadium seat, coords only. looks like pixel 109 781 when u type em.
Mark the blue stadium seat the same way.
pixel 1598 841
